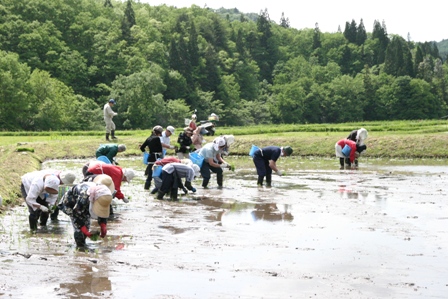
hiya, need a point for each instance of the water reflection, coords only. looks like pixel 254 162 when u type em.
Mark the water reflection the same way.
pixel 92 284
pixel 270 212
pixel 239 211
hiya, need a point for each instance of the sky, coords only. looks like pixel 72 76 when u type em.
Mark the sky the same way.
pixel 423 20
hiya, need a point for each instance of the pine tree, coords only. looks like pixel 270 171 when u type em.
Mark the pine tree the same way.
pixel 127 22
pixel 284 22
pixel 361 34
pixel 350 31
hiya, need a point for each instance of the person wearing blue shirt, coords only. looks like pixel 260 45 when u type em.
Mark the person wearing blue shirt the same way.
pixel 265 162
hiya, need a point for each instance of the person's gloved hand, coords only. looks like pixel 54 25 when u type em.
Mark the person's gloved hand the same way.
pixel 187 147
pixel 43 208
pixel 172 147
pixel 193 189
pixel 279 172
pixel 85 231
pixel 103 230
pixel 125 199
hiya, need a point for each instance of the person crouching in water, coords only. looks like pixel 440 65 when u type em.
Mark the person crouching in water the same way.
pixel 85 201
pixel 265 160
pixel 210 152
pixel 347 151
pixel 172 175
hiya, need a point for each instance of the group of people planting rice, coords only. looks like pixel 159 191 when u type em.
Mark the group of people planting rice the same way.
pixel 48 191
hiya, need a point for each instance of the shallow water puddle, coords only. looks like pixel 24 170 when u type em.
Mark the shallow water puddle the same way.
pixel 380 231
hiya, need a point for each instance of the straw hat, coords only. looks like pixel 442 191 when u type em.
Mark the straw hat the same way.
pixel 101 206
pixel 106 180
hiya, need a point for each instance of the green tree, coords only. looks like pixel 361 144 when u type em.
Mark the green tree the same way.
pixel 361 34
pixel 127 22
pixel 350 32
pixel 14 93
pixel 284 22
pixel 139 98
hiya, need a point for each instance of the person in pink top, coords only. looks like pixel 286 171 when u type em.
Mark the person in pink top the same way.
pixel 346 148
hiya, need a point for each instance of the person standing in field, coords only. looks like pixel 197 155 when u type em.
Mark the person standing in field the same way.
pixel 265 160
pixel 154 145
pixel 358 136
pixel 108 115
pixel 165 138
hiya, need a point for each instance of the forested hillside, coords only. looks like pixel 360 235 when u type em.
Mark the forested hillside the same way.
pixel 60 61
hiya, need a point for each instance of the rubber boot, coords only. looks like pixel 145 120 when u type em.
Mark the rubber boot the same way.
pixel 54 215
pixel 111 212
pixel 154 191
pixel 268 180
pixel 219 181
pixel 148 185
pixel 113 134
pixel 205 182
pixel 33 222
pixel 160 195
pixel 341 162
pixel 260 180
pixel 107 137
pixel 44 218
pixel 80 239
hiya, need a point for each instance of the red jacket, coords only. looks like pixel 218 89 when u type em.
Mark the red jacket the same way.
pixel 115 172
pixel 167 160
pixel 352 144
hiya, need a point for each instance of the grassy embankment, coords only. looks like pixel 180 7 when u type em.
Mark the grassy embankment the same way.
pixel 21 152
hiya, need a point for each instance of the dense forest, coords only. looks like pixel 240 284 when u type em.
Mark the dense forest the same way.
pixel 61 60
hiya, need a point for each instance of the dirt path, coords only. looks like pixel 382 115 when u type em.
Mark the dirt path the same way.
pixel 379 232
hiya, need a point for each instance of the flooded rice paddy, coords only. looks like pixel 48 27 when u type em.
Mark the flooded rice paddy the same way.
pixel 377 232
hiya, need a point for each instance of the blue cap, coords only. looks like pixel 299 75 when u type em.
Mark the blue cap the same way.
pixel 112 101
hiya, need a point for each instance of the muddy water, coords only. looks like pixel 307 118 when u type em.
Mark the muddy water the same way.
pixel 378 232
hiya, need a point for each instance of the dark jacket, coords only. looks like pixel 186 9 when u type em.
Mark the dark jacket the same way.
pixel 185 141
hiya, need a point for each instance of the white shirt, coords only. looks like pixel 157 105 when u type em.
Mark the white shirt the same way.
pixel 33 182
pixel 165 139
pixel 108 112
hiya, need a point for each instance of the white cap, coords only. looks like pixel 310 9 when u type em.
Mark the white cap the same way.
pixel 129 174
pixel 218 142
pixel 51 181
pixel 171 129
pixel 67 178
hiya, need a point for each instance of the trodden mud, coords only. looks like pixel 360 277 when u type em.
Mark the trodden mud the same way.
pixel 377 232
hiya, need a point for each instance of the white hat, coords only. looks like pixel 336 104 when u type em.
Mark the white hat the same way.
pixel 171 129
pixel 218 142
pixel 129 174
pixel 67 177
pixel 196 170
pixel 51 181
pixel 106 180
pixel 229 139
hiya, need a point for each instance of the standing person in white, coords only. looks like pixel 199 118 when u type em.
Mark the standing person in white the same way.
pixel 108 115
pixel 165 139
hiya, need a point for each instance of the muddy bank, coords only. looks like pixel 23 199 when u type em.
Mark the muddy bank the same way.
pixel 379 232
